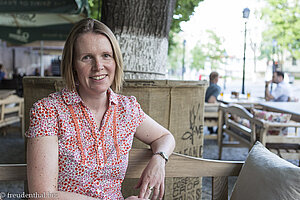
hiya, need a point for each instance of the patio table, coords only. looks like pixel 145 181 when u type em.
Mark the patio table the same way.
pixel 241 100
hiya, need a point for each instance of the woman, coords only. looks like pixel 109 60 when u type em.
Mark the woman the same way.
pixel 80 137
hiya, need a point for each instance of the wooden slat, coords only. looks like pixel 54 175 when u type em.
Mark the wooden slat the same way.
pixel 14 109
pixel 285 154
pixel 12 99
pixel 13 172
pixel 240 139
pixel 9 121
pixel 276 124
pixel 211 136
pixel 282 139
pixel 182 166
pixel 211 115
pixel 239 127
pixel 178 166
pixel 220 188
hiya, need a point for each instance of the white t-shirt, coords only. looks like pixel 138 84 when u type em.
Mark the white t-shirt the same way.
pixel 282 92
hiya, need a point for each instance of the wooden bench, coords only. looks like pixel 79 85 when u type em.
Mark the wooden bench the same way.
pixel 178 166
pixel 11 111
pixel 245 134
pixel 211 117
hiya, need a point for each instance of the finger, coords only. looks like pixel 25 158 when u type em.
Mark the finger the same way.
pixel 143 190
pixel 162 190
pixel 138 185
pixel 155 192
pixel 148 192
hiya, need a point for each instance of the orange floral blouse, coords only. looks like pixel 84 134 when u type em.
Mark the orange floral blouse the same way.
pixel 92 162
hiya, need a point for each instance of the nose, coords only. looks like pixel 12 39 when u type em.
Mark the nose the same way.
pixel 98 65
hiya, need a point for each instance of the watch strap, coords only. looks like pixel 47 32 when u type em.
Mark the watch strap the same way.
pixel 163 155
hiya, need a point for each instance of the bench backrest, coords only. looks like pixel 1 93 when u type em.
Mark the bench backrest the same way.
pixel 178 166
pixel 240 124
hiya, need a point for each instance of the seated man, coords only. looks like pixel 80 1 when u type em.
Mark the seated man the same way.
pixel 212 92
pixel 281 93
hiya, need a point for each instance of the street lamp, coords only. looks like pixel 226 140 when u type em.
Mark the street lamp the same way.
pixel 246 13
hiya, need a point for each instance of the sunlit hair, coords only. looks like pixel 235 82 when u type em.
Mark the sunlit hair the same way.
pixel 213 76
pixel 89 25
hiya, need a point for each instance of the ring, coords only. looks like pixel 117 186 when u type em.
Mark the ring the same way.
pixel 150 188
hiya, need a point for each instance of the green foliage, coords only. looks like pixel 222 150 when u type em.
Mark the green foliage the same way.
pixel 95 8
pixel 198 57
pixel 175 57
pixel 210 51
pixel 184 9
pixel 283 26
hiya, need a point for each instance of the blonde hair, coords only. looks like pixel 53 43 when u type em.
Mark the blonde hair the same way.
pixel 86 26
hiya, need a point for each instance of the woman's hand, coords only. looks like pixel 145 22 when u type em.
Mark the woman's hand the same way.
pixel 160 140
pixel 152 179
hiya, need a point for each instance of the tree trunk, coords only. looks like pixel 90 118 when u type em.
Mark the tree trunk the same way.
pixel 142 28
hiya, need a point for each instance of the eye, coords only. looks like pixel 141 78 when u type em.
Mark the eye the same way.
pixel 87 58
pixel 107 55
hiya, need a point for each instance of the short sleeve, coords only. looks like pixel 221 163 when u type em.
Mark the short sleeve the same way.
pixel 216 91
pixel 212 90
pixel 43 120
pixel 136 112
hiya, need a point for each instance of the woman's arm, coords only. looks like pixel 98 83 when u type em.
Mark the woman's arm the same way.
pixel 160 140
pixel 42 168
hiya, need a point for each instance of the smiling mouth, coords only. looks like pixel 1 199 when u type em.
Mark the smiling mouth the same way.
pixel 98 77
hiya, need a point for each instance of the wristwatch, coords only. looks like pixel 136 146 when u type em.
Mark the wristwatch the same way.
pixel 163 155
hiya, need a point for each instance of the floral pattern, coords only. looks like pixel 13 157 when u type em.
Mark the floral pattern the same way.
pixel 273 117
pixel 51 116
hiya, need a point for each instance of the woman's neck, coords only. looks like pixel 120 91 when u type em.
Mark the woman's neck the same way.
pixel 95 102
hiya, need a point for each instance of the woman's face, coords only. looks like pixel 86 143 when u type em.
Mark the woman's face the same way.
pixel 94 63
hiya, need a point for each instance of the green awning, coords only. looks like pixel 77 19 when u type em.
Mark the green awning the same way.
pixel 21 23
pixel 42 6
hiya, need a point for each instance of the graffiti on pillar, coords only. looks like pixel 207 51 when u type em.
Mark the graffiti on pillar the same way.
pixel 196 129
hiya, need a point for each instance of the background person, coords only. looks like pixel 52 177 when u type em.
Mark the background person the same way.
pixel 79 138
pixel 282 91
pixel 2 72
pixel 213 91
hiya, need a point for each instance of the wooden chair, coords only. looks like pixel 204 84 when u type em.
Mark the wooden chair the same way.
pixel 178 166
pixel 211 117
pixel 247 132
pixel 11 111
